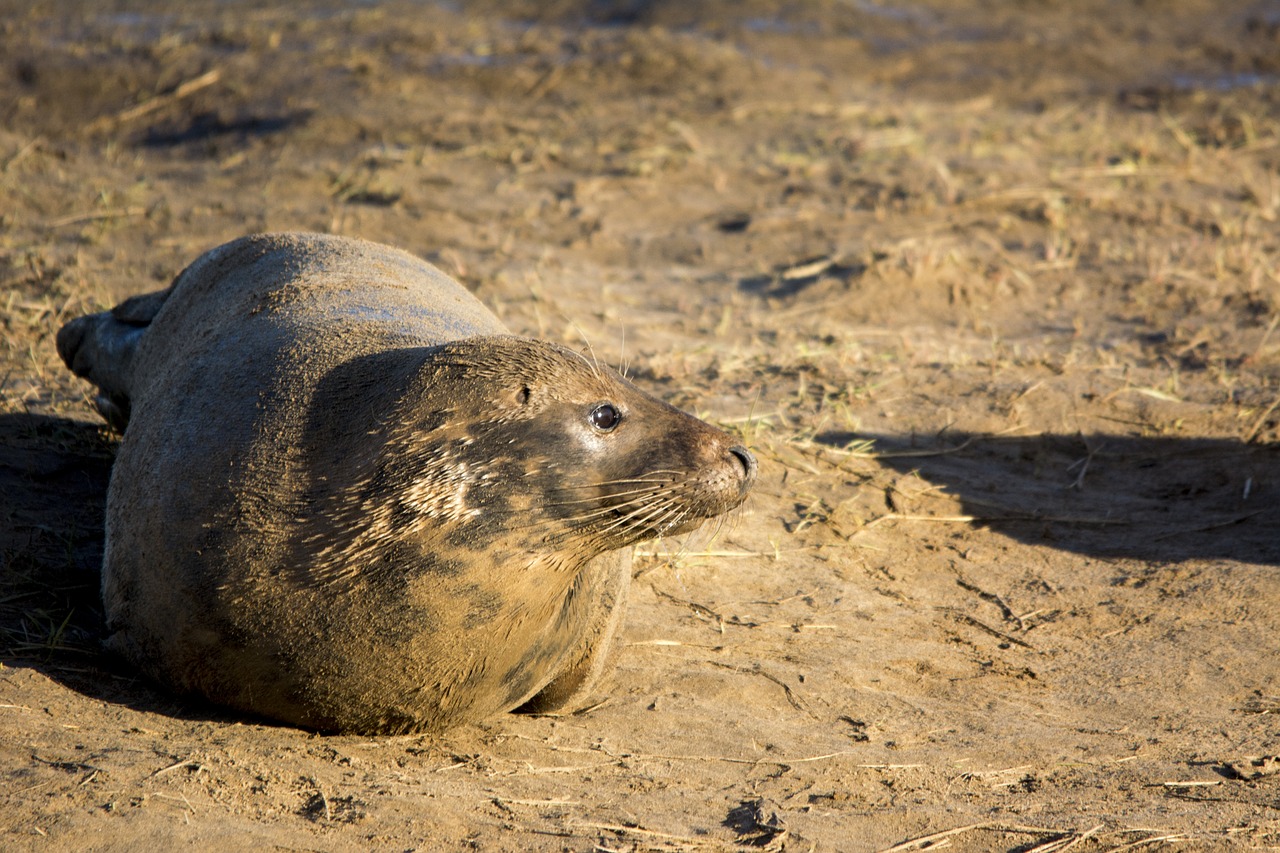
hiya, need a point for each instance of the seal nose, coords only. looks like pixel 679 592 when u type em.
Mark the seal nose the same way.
pixel 748 463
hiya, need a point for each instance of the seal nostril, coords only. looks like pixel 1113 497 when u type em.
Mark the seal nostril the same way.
pixel 746 460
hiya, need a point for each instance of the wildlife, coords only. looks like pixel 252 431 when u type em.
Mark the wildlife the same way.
pixel 347 498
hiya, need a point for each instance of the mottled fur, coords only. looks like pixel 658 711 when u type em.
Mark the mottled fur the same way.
pixel 346 498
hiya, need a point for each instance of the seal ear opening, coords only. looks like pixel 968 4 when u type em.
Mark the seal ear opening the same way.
pixel 522 395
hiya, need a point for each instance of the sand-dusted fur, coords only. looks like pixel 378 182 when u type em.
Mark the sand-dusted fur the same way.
pixel 346 498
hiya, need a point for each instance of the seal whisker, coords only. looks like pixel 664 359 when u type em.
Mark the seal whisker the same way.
pixel 597 498
pixel 659 520
pixel 631 495
pixel 648 478
pixel 622 510
pixel 642 516
pixel 620 513
pixel 627 510
pixel 638 502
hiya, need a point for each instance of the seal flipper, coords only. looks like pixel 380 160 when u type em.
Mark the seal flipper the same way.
pixel 100 347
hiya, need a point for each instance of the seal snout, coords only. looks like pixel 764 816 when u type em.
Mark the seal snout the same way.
pixel 748 462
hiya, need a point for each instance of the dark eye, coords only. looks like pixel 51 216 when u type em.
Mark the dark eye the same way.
pixel 605 417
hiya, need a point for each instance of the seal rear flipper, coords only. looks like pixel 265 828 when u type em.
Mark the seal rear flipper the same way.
pixel 100 347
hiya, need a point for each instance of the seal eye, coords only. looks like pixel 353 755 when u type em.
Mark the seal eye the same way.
pixel 605 417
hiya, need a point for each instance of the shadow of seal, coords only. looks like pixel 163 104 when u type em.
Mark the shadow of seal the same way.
pixel 348 499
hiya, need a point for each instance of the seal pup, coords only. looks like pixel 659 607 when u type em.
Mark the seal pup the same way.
pixel 348 499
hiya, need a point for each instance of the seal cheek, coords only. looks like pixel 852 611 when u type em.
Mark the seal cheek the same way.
pixel 593 443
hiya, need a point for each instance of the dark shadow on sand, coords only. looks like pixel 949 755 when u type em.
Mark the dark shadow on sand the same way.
pixel 1158 499
pixel 53 489
pixel 210 128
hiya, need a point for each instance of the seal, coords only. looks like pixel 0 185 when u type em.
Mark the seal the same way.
pixel 347 498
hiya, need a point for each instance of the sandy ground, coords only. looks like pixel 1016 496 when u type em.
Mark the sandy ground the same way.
pixel 992 289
